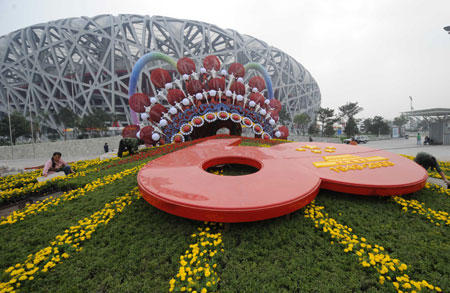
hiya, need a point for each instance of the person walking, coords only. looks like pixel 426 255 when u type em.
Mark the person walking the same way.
pixel 419 139
pixel 428 161
pixel 106 147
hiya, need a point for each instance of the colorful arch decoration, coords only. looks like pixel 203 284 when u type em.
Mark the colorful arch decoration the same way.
pixel 199 101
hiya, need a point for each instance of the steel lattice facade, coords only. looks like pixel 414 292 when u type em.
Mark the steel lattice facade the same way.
pixel 85 63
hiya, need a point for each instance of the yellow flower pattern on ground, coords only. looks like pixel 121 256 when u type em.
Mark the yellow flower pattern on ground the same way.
pixel 369 255
pixel 197 271
pixel 438 218
pixel 23 184
pixel 48 257
pixel 43 205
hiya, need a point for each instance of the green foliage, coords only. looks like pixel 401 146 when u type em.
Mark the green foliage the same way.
pixel 350 109
pixel 400 120
pixel 351 128
pixel 313 129
pixel 67 118
pixel 19 126
pixel 302 120
pixel 139 250
pixel 379 126
pixel 283 116
pixel 367 123
pixel 97 120
pixel 329 130
pixel 326 116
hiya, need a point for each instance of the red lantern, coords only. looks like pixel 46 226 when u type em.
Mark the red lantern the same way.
pixel 138 102
pixel 284 132
pixel 130 131
pixel 275 104
pixel 238 88
pixel 175 96
pixel 257 98
pixel 257 82
pixel 160 77
pixel 146 134
pixel 185 66
pixel 211 62
pixel 237 69
pixel 194 86
pixel 216 84
pixel 157 112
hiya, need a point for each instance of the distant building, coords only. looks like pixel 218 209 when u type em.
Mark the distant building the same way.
pixel 85 63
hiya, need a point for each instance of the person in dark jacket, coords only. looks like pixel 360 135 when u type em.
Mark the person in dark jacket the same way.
pixel 106 147
pixel 129 144
pixel 429 162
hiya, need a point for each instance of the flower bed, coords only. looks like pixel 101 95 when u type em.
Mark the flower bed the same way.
pixel 101 236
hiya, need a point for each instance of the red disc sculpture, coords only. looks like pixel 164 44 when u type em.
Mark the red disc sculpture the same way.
pixel 289 176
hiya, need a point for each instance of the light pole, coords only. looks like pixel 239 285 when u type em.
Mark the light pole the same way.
pixel 10 130
pixel 410 108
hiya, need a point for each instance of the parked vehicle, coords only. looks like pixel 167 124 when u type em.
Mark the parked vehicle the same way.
pixel 358 139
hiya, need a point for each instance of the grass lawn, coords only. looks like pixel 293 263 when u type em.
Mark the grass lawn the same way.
pixel 108 239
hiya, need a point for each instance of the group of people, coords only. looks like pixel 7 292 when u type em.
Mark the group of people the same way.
pixel 427 139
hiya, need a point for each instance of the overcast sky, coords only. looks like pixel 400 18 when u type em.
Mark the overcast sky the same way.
pixel 376 53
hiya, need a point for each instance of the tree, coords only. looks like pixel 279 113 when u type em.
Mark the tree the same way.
pixel 283 116
pixel 301 121
pixel 350 110
pixel 325 116
pixel 350 127
pixel 97 120
pixel 19 126
pixel 379 126
pixel 367 125
pixel 329 129
pixel 67 118
pixel 400 120
pixel 313 129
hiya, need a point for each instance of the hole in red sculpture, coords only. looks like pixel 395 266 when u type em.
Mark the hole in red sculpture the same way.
pixel 232 166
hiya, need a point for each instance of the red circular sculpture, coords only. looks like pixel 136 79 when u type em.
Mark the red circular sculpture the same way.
pixel 289 177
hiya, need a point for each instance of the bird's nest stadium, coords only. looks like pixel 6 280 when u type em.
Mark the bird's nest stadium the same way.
pixel 85 64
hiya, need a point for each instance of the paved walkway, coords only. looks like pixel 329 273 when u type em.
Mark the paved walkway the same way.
pixel 409 147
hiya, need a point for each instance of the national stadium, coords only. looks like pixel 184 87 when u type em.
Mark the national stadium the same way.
pixel 85 64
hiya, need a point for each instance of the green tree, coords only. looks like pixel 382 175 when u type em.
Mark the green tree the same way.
pixel 19 126
pixel 68 119
pixel 350 127
pixel 301 121
pixel 400 120
pixel 329 129
pixel 350 110
pixel 313 129
pixel 325 116
pixel 379 126
pixel 95 121
pixel 283 116
pixel 367 125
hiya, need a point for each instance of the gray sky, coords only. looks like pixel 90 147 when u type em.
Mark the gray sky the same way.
pixel 376 53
